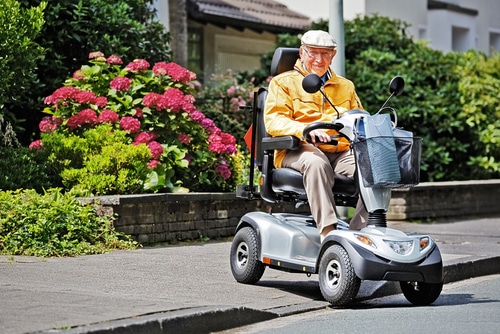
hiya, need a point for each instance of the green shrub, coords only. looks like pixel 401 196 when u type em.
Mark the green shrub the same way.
pixel 54 224
pixel 25 169
pixel 98 162
pixel 19 53
pixel 152 107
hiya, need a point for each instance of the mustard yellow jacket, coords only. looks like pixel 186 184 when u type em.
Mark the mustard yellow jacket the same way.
pixel 289 108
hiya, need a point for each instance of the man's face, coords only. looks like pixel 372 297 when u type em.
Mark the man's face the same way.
pixel 316 60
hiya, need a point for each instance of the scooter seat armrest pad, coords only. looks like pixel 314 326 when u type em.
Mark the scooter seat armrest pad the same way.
pixel 280 143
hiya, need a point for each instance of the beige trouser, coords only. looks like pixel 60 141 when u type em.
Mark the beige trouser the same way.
pixel 318 169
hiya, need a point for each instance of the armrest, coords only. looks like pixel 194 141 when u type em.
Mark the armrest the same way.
pixel 280 143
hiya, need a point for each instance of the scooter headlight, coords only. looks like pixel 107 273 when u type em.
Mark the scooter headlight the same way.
pixel 400 247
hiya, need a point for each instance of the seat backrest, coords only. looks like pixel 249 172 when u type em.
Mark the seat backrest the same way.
pixel 283 60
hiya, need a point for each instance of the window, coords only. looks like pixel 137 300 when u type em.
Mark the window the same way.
pixel 494 41
pixel 195 51
pixel 460 39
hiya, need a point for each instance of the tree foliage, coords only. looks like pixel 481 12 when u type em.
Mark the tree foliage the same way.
pixel 19 53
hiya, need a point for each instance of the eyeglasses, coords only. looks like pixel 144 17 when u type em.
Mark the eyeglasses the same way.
pixel 314 54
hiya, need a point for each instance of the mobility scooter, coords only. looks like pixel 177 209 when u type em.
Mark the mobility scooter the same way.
pixel 291 242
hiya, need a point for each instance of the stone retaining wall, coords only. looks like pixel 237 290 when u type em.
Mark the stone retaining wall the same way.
pixel 157 218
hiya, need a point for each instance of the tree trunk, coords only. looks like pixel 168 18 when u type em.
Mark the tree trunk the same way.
pixel 178 31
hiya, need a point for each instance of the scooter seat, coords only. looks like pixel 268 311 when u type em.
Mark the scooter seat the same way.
pixel 290 180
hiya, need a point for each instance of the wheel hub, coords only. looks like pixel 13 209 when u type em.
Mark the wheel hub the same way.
pixel 242 255
pixel 333 274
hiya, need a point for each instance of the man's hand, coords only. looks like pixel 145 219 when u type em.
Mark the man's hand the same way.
pixel 319 136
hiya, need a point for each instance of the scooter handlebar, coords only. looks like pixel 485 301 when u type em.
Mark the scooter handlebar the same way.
pixel 321 125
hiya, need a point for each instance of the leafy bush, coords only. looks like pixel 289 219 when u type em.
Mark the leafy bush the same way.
pixel 19 53
pixel 54 224
pixel 460 140
pixel 23 168
pixel 154 107
pixel 73 29
pixel 98 162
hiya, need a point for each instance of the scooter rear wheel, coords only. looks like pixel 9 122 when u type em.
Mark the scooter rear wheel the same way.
pixel 338 282
pixel 245 264
pixel 420 293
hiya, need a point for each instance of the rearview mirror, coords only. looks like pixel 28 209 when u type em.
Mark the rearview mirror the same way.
pixel 311 83
pixel 396 86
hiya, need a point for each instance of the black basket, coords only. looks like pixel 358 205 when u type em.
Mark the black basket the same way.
pixel 389 162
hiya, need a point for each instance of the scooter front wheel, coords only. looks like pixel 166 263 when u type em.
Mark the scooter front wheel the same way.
pixel 421 293
pixel 245 264
pixel 338 282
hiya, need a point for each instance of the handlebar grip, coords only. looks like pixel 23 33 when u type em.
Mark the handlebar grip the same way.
pixel 321 125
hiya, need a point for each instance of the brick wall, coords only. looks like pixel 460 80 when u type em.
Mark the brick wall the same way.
pixel 157 218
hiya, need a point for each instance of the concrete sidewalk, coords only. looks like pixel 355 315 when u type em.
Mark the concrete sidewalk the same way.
pixel 190 289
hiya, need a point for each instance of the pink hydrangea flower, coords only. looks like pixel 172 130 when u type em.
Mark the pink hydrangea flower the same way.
pixel 108 116
pixel 120 84
pixel 172 99
pixel 184 138
pixel 156 150
pixel 84 97
pixel 138 112
pixel 130 124
pixel 151 100
pixel 223 170
pixel 100 101
pixel 49 123
pixel 197 116
pixel 86 116
pixel 78 75
pixel 61 94
pixel 36 145
pixel 96 54
pixel 153 164
pixel 138 65
pixel 112 60
pixel 144 138
pixel 175 71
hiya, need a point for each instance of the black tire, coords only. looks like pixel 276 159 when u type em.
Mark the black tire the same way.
pixel 420 293
pixel 245 264
pixel 338 282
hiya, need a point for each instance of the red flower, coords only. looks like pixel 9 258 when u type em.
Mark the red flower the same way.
pixel 223 170
pixel 114 60
pixel 153 164
pixel 96 54
pixel 84 97
pixel 120 83
pixel 172 99
pixel 86 116
pixel 108 116
pixel 197 116
pixel 36 145
pixel 49 123
pixel 100 101
pixel 156 150
pixel 138 112
pixel 184 138
pixel 175 71
pixel 78 75
pixel 144 138
pixel 61 94
pixel 130 124
pixel 138 65
pixel 151 100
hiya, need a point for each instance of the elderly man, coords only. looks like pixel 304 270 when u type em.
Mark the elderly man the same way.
pixel 289 109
